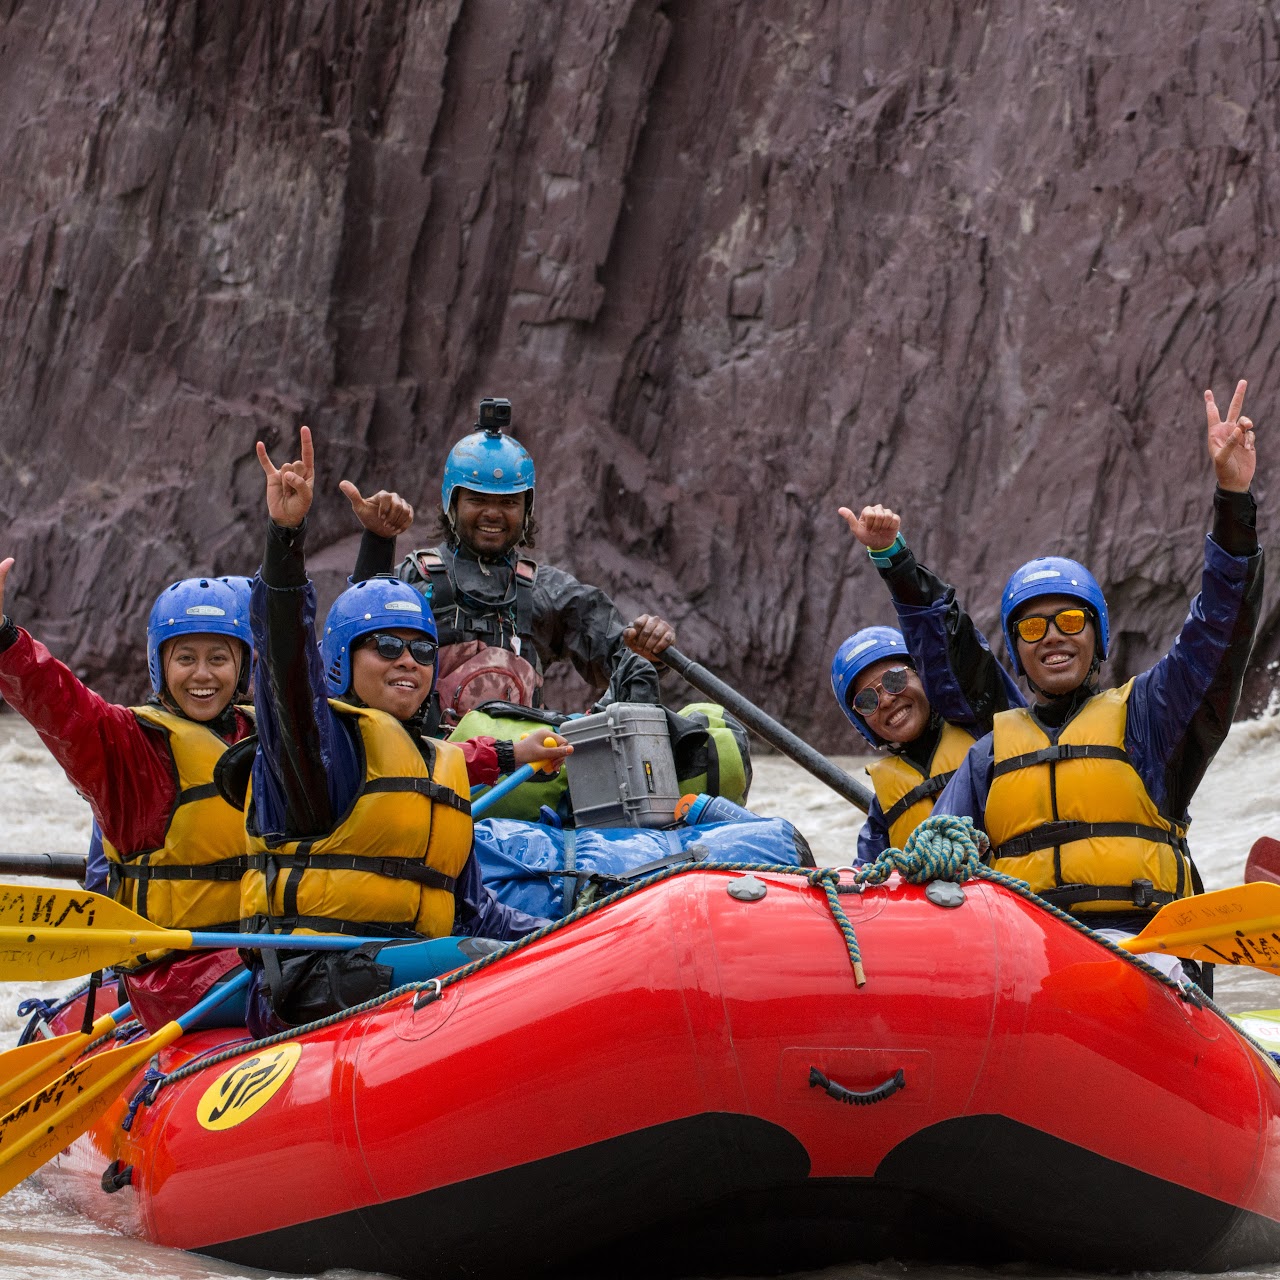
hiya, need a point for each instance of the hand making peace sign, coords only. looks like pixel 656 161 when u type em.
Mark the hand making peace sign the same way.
pixel 1231 443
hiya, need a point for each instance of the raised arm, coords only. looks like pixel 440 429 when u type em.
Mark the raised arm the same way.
pixel 306 771
pixel 961 676
pixel 1181 710
pixel 385 516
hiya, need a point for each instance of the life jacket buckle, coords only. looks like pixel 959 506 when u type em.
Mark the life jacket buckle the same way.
pixel 1143 894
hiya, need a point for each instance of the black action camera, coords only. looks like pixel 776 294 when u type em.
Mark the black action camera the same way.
pixel 494 415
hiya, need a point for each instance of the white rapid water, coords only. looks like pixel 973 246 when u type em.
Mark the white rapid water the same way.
pixel 1238 801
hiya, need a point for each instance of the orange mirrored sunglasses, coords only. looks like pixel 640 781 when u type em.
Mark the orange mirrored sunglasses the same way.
pixel 1034 627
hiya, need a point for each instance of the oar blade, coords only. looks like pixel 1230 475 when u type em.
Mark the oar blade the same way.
pixel 64 907
pixel 34 1131
pixel 45 954
pixel 1240 925
pixel 33 1066
pixel 1263 863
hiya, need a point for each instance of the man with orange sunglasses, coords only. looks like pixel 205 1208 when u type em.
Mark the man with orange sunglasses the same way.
pixel 1084 794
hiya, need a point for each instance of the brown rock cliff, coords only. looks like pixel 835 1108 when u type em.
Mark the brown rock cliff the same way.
pixel 735 261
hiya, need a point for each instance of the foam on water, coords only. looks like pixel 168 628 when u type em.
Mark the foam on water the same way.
pixel 40 811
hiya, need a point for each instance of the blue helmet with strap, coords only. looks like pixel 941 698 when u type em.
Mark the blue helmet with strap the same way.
pixel 377 604
pixel 1052 576
pixel 195 606
pixel 486 461
pixel 861 650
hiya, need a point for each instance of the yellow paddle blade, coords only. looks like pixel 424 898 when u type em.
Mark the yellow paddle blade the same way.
pixel 34 1131
pixel 38 954
pixel 1240 925
pixel 32 1066
pixel 24 904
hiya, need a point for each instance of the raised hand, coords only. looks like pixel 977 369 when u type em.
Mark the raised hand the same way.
pixel 648 635
pixel 5 566
pixel 875 528
pixel 1231 443
pixel 383 513
pixel 289 488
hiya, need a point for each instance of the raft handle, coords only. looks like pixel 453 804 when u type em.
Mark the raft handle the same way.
pixel 117 1176
pixel 431 993
pixel 837 1091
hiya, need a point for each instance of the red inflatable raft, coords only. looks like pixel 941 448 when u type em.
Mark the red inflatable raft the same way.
pixel 690 1078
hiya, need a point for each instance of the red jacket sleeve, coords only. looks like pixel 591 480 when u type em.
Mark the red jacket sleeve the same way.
pixel 482 760
pixel 122 768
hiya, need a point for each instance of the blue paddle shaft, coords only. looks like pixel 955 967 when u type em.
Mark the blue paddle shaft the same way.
pixel 215 998
pixel 509 783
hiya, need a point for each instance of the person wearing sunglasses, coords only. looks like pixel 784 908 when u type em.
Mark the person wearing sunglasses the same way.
pixel 1084 794
pixel 358 822
pixel 920 695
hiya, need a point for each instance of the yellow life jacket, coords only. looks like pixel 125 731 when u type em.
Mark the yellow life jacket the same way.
pixel 192 880
pixel 906 794
pixel 390 865
pixel 1072 816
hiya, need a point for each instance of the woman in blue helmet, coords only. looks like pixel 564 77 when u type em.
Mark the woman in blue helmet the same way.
pixel 921 695
pixel 1084 794
pixel 175 847
pixel 358 822
pixel 502 617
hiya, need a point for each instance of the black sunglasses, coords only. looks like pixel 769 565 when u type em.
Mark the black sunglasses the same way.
pixel 390 647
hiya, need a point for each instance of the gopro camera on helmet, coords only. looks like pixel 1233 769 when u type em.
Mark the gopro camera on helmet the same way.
pixel 495 414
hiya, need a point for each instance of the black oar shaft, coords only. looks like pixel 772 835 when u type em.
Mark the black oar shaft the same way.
pixel 58 866
pixel 769 729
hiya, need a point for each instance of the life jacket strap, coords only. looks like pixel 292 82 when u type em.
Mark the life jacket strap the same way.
pixel 1062 751
pixel 434 791
pixel 205 792
pixel 230 869
pixel 324 924
pixel 921 791
pixel 1048 835
pixel 391 868
pixel 1141 892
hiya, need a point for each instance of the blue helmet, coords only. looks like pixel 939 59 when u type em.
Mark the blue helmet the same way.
pixel 1052 576
pixel 377 604
pixel 855 655
pixel 195 606
pixel 487 461
pixel 243 587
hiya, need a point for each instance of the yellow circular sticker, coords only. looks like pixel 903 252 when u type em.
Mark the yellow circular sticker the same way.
pixel 244 1090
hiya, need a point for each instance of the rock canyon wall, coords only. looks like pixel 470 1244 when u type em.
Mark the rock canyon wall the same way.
pixel 736 262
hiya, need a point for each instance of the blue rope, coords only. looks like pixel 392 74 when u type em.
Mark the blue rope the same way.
pixel 152 1079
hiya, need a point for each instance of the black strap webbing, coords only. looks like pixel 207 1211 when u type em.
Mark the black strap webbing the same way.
pixel 1049 835
pixel 228 870
pixel 921 791
pixel 1063 751
pixel 1140 893
pixel 391 868
pixel 323 924
pixel 207 791
pixel 434 791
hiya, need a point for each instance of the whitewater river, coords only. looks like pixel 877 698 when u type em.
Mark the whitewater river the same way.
pixel 40 812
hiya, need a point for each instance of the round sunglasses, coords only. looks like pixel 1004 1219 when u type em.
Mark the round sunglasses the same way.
pixel 390 647
pixel 1035 626
pixel 893 681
